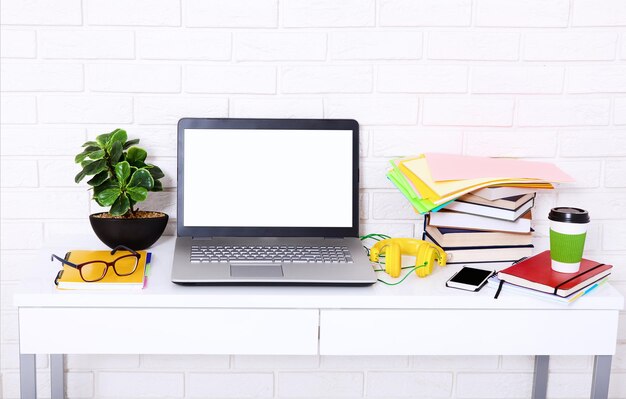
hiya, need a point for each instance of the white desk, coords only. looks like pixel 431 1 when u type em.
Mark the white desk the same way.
pixel 424 316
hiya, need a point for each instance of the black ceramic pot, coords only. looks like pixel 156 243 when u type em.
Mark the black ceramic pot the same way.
pixel 133 233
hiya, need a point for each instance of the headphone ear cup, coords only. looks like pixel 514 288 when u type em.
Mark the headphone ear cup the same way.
pixel 423 260
pixel 442 257
pixel 432 257
pixel 393 260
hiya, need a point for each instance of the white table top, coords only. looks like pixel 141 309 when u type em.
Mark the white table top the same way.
pixel 413 293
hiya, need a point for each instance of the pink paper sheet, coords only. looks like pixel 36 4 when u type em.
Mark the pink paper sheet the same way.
pixel 461 167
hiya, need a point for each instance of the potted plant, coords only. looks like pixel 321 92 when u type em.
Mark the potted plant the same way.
pixel 120 179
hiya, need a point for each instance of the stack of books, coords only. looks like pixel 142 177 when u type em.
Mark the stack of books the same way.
pixel 473 229
pixel 534 277
pixel 477 209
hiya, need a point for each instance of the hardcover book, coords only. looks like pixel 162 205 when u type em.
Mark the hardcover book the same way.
pixel 450 237
pixel 461 220
pixel 482 208
pixel 483 254
pixel 536 273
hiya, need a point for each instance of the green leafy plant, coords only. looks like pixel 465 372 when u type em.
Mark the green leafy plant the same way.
pixel 120 176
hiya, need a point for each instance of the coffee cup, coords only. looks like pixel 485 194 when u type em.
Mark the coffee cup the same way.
pixel 568 231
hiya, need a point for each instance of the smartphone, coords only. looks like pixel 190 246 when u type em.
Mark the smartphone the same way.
pixel 469 279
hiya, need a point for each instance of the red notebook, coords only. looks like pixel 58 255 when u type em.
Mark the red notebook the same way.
pixel 535 273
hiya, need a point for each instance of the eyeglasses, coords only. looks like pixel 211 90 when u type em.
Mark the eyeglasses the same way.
pixel 95 270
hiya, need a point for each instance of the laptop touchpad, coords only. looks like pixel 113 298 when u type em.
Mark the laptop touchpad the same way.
pixel 243 270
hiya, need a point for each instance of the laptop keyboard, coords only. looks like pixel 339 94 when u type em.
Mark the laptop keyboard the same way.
pixel 265 254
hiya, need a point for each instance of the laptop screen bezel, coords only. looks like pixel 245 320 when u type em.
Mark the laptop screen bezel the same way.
pixel 279 124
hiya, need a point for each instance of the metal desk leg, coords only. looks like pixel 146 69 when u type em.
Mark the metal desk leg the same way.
pixel 28 376
pixel 57 380
pixel 540 379
pixel 601 376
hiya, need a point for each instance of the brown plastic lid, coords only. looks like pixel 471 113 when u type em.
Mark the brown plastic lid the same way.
pixel 568 214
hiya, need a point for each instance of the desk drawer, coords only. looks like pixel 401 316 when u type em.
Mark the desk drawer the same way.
pixel 168 331
pixel 468 332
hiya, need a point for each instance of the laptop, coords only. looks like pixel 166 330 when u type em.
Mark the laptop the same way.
pixel 269 202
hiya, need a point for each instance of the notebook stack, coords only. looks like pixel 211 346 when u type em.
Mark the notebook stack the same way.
pixel 534 276
pixel 477 209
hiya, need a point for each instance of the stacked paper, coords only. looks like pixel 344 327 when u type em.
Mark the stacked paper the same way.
pixel 431 181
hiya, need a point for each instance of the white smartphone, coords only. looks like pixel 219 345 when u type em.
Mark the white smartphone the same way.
pixel 469 279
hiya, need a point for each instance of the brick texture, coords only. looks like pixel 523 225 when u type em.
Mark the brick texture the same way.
pixel 17 43
pixel 234 13
pixel 42 77
pixel 238 79
pixel 473 45
pixel 529 13
pixel 422 79
pixel 376 45
pixel 82 44
pixel 425 12
pixel 41 12
pixel 326 79
pixel 517 80
pixel 133 13
pixel 466 112
pixel 182 45
pixel 328 13
pixel 280 46
pixel 569 46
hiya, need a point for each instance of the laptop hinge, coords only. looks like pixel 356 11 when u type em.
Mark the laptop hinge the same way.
pixel 202 238
pixel 334 238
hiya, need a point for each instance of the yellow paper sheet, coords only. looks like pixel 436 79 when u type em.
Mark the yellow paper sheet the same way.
pixel 416 169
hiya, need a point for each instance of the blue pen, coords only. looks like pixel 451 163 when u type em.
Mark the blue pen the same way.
pixel 596 285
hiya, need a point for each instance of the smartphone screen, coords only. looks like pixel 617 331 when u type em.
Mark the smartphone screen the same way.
pixel 469 279
pixel 471 276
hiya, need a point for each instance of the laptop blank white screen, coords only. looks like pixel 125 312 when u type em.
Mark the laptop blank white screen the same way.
pixel 267 178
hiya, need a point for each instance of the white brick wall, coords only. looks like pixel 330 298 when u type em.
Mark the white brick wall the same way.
pixel 133 78
pixel 530 13
pixel 133 13
pixel 409 385
pixel 86 108
pixel 234 13
pixel 40 12
pixel 328 13
pixel 18 44
pixel 41 77
pixel 537 79
pixel 599 13
pixel 376 45
pixel 253 46
pixel 465 111
pixel 90 44
pixel 425 12
pixel 230 79
pixel 564 45
pixel 183 45
pixel 574 111
pixel 422 79
pixel 517 80
pixel 326 79
pixel 473 45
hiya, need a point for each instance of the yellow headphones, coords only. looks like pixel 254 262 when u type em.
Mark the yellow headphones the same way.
pixel 425 255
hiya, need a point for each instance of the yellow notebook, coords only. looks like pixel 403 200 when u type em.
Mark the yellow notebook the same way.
pixel 69 278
